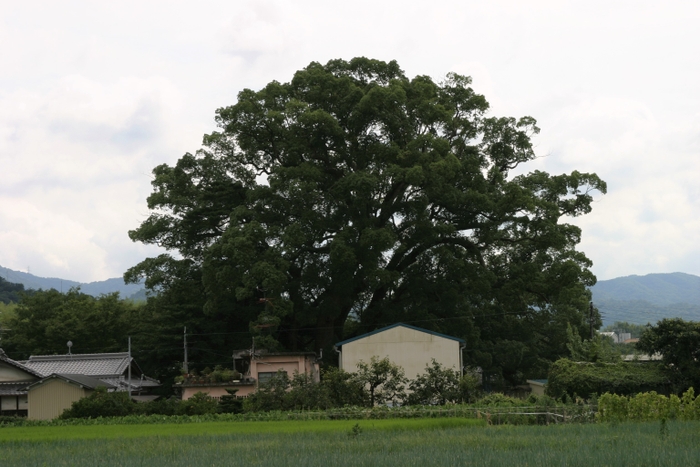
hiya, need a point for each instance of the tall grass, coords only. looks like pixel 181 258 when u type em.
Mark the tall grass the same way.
pixel 629 444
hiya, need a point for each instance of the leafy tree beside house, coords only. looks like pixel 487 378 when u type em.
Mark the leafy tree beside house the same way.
pixel 354 192
pixel 383 380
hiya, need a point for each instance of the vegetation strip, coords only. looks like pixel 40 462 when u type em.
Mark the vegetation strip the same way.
pixel 621 445
pixel 220 428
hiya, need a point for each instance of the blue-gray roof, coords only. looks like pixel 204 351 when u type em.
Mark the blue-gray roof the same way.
pixel 347 341
pixel 80 380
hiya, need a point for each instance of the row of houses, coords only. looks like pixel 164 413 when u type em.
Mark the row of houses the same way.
pixel 408 346
pixel 45 385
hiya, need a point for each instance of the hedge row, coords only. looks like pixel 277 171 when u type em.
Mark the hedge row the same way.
pixel 582 379
pixel 648 406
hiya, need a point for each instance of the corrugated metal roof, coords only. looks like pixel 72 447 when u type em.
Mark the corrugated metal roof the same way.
pixel 339 344
pixel 103 364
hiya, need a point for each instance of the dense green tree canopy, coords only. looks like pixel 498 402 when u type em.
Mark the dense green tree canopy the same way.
pixel 10 292
pixel 46 320
pixel 678 342
pixel 355 195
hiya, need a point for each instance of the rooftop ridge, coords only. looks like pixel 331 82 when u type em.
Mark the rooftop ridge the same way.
pixel 78 356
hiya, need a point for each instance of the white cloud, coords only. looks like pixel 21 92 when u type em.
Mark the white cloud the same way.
pixel 94 95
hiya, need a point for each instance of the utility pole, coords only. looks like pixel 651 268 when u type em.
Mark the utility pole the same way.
pixel 185 367
pixel 129 367
pixel 590 319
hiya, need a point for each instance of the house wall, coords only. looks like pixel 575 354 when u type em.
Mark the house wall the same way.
pixel 49 400
pixel 302 364
pixel 11 373
pixel 537 388
pixel 409 348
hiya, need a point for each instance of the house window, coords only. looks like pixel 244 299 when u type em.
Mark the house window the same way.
pixel 266 376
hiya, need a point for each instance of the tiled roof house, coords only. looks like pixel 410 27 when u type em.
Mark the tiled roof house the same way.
pixel 50 383
pixel 111 368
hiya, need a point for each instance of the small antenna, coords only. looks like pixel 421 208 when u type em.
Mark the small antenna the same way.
pixel 69 344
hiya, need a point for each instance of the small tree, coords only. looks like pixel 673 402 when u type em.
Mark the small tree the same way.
pixel 230 403
pixel 383 380
pixel 437 386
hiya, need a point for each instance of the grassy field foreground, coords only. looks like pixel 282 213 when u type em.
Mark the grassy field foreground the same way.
pixel 379 443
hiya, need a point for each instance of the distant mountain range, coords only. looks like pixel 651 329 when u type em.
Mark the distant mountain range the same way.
pixel 30 281
pixel 635 299
pixel 648 299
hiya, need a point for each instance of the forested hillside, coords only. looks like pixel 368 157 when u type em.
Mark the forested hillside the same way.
pixel 30 281
pixel 10 292
pixel 648 299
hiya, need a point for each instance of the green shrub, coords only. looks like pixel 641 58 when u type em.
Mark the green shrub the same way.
pixel 343 388
pixel 500 400
pixel 270 395
pixel 101 404
pixel 199 404
pixel 567 378
pixel 230 403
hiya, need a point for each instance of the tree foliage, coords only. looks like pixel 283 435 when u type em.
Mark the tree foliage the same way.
pixel 598 349
pixel 439 386
pixel 353 193
pixel 10 292
pixel 384 381
pixel 43 322
pixel 678 341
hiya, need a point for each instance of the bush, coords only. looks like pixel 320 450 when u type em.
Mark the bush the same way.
pixel 199 404
pixel 230 403
pixel 497 399
pixel 270 395
pixel 567 378
pixel 343 388
pixel 118 404
pixel 101 404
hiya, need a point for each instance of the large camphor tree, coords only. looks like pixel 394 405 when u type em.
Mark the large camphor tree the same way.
pixel 354 197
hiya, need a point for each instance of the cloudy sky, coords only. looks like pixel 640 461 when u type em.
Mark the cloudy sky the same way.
pixel 93 95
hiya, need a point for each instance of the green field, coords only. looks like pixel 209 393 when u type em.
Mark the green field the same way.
pixel 331 443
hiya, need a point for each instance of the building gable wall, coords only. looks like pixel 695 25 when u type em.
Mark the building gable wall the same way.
pixel 412 349
pixel 48 400
pixel 9 372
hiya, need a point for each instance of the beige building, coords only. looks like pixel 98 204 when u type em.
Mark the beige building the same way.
pixel 43 386
pixel 255 368
pixel 410 347
pixel 537 386
pixel 49 397
pixel 14 379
